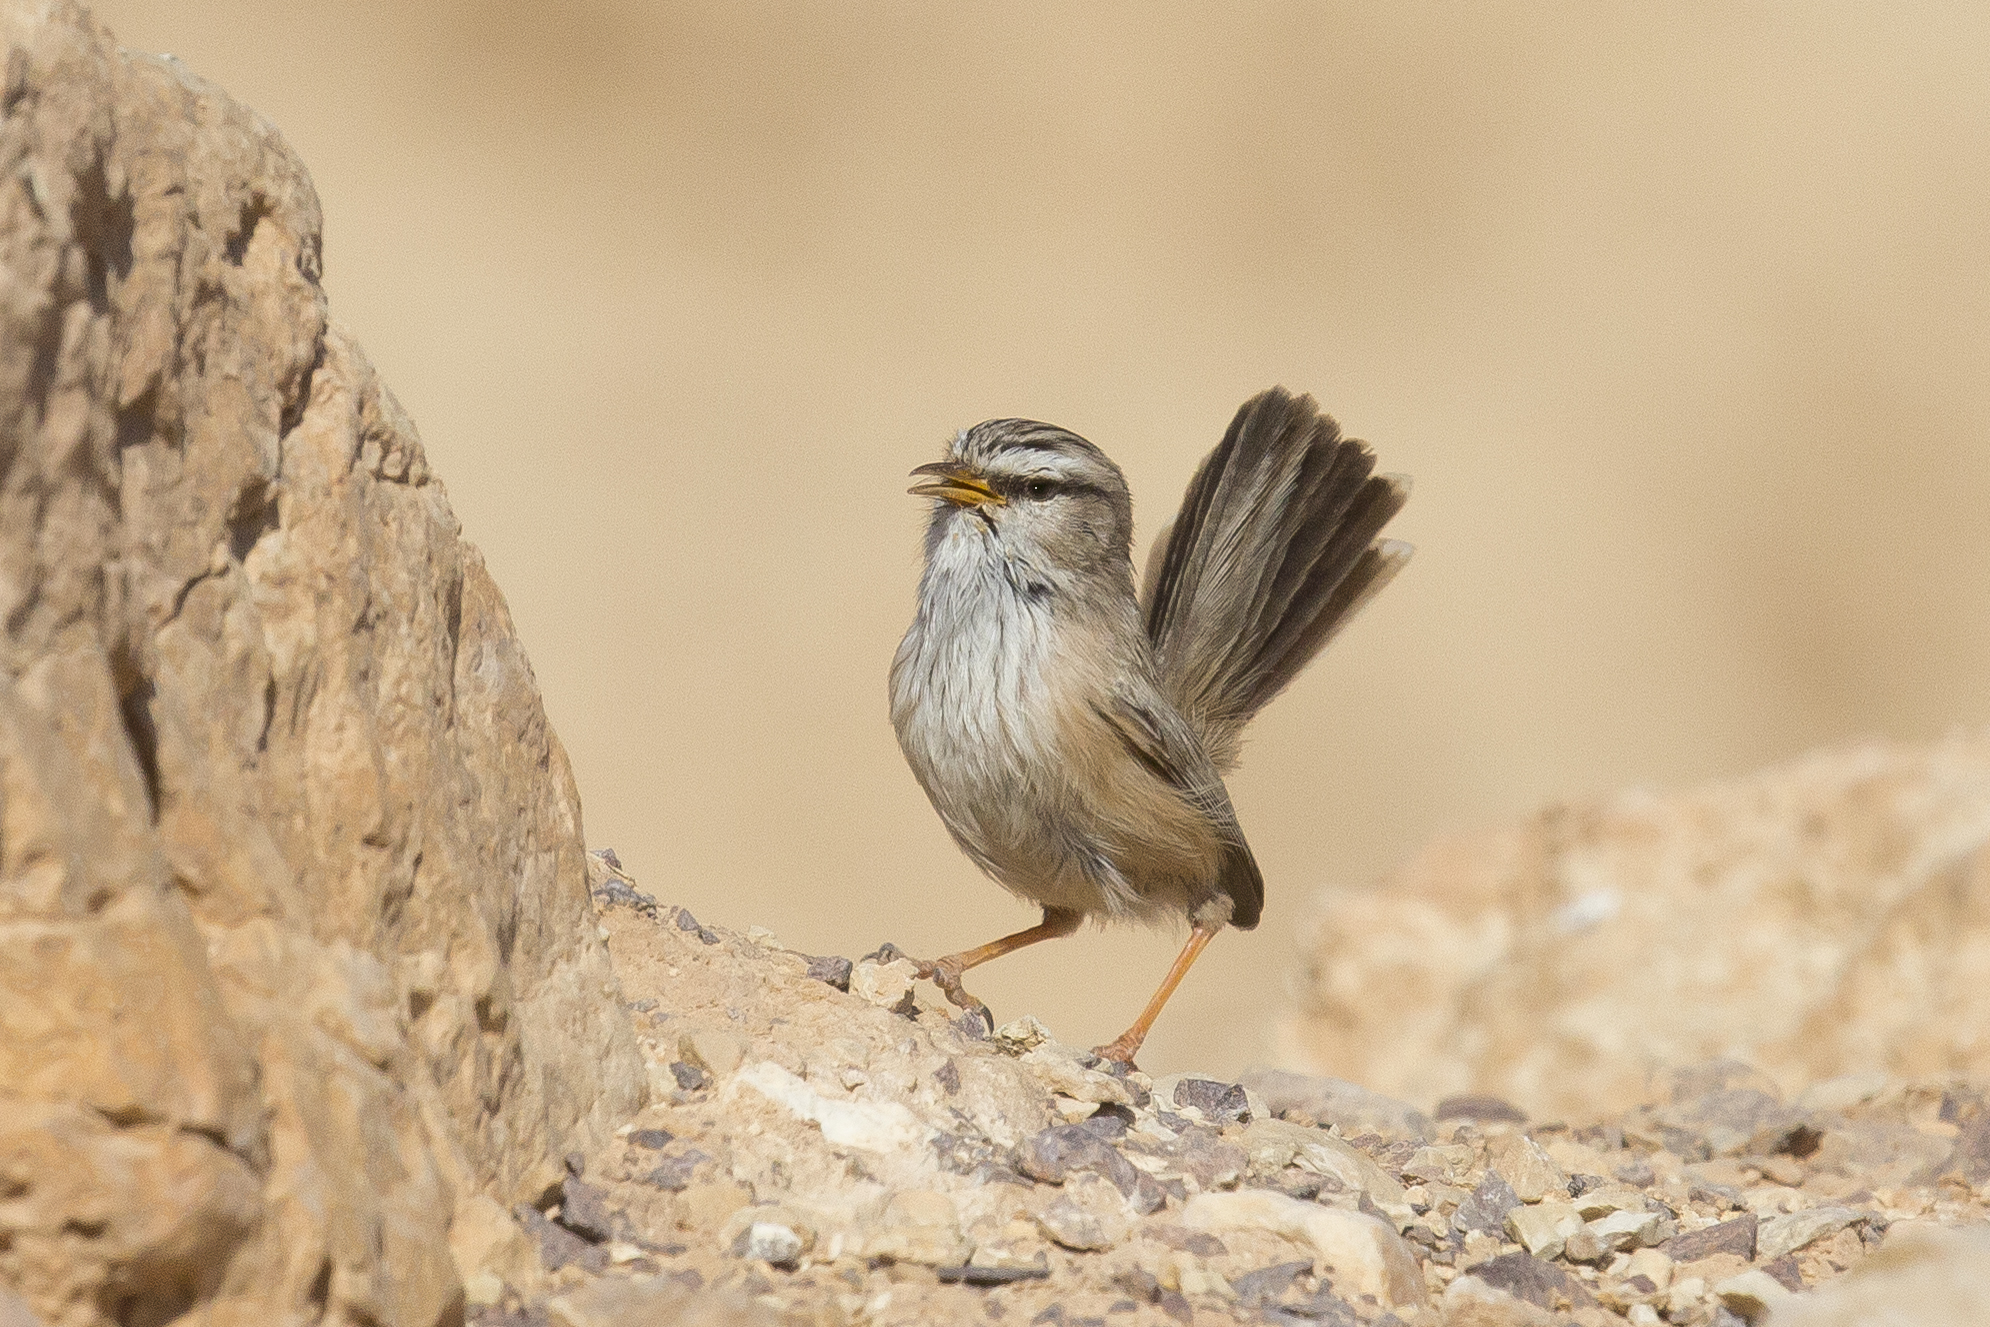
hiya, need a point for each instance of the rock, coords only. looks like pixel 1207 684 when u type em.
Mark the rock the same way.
pixel 1198 1154
pixel 1346 1106
pixel 1075 1227
pixel 1735 1121
pixel 1830 901
pixel 14 1311
pixel 1274 1144
pixel 1528 1278
pixel 1486 1209
pixel 1591 1204
pixel 1054 1154
pixel 615 1303
pixel 1060 1070
pixel 717 1053
pixel 653 1139
pixel 1219 1103
pixel 886 985
pixel 1786 1234
pixel 872 1126
pixel 832 971
pixel 769 1241
pixel 294 892
pixel 1610 1234
pixel 1480 1107
pixel 1752 1295
pixel 1267 1284
pixel 1653 1265
pixel 1735 1237
pixel 584 1210
pixel 1360 1254
pixel 1544 1228
pixel 1525 1165
pixel 1922 1276
pixel 1470 1302
pixel 484 1240
pixel 557 1245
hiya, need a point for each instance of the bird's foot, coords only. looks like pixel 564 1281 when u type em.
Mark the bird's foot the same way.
pixel 1122 1049
pixel 942 974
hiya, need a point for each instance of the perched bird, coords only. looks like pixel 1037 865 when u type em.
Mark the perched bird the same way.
pixel 1072 736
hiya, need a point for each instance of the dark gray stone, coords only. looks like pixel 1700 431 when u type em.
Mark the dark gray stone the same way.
pixel 1736 1237
pixel 615 894
pixel 558 1246
pixel 948 1077
pixel 832 970
pixel 1220 1103
pixel 1184 1240
pixel 686 922
pixel 1542 1284
pixel 1485 1210
pixel 653 1139
pixel 1481 1107
pixel 584 1210
pixel 689 1076
pixel 1055 1153
pixel 993 1276
pixel 1268 1284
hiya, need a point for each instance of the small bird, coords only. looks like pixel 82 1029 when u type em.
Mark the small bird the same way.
pixel 1072 736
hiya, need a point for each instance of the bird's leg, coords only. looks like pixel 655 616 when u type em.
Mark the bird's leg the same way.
pixel 945 972
pixel 1127 1044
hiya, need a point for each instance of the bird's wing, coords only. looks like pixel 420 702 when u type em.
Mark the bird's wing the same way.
pixel 1160 739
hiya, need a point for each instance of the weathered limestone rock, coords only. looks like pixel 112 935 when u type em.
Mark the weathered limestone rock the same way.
pixel 1923 1277
pixel 1824 918
pixel 296 954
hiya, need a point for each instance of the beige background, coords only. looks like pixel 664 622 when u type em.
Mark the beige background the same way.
pixel 1678 317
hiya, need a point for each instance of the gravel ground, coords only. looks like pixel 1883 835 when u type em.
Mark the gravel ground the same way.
pixel 827 1144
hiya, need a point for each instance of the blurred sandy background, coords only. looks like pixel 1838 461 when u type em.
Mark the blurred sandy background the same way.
pixel 1680 317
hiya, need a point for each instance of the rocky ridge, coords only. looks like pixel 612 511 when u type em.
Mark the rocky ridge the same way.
pixel 828 1143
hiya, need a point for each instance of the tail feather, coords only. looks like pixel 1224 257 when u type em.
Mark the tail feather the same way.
pixel 1274 550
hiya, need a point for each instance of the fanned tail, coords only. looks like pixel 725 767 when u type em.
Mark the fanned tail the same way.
pixel 1274 550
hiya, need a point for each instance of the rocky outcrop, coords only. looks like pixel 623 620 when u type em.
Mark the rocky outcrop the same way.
pixel 297 967
pixel 828 1144
pixel 1825 918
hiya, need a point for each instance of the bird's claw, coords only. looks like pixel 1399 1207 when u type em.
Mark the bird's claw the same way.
pixel 941 974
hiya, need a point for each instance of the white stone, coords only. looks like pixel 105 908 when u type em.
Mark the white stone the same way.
pixel 1361 1254
pixel 883 984
pixel 770 1242
pixel 871 1126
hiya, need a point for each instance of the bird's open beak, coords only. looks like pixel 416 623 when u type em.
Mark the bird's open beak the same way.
pixel 956 484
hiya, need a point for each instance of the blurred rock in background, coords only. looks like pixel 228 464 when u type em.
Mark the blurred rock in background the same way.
pixel 1825 918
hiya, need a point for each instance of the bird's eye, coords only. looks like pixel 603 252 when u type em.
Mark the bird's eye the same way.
pixel 1039 488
